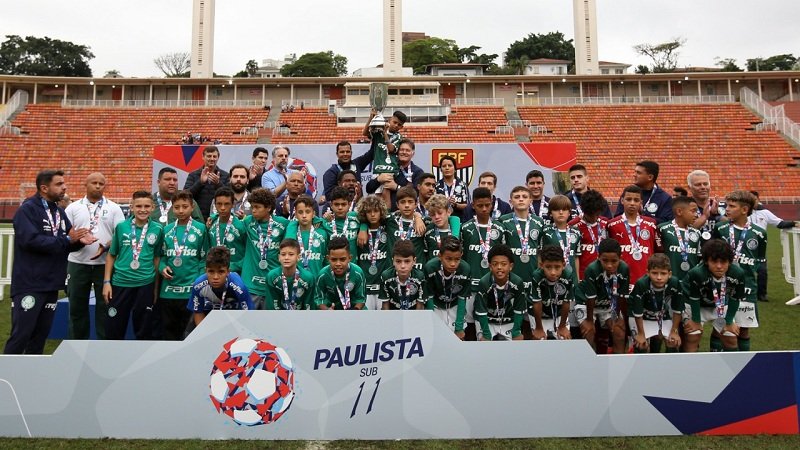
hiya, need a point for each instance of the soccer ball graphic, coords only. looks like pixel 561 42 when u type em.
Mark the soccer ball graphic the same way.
pixel 252 382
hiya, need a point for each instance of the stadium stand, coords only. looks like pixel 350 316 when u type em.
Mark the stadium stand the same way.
pixel 720 139
pixel 791 109
pixel 114 140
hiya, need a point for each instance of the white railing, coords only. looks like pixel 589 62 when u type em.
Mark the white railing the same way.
pixel 774 116
pixel 537 129
pixel 503 129
pixel 9 130
pixel 248 131
pixel 519 123
pixel 359 112
pixel 474 101
pixel 71 103
pixel 7 249
pixel 306 102
pixel 14 105
pixel 269 124
pixel 790 261
pixel 674 100
pixel 281 131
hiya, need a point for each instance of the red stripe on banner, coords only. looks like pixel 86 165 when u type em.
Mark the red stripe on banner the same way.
pixel 558 156
pixel 182 157
pixel 782 421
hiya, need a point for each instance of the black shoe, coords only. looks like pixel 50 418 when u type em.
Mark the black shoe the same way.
pixel 763 298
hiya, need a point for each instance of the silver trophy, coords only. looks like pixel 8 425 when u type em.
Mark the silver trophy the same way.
pixel 378 97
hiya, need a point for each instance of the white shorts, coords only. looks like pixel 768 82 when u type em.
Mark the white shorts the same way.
pixel 707 314
pixel 603 315
pixel 746 315
pixel 547 323
pixel 498 332
pixel 448 316
pixel 469 317
pixel 651 327
pixel 372 303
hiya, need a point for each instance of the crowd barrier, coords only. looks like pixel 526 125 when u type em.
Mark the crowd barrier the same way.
pixel 790 261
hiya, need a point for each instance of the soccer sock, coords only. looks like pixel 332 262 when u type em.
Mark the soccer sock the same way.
pixel 744 344
pixel 716 344
pixel 655 345
pixel 672 349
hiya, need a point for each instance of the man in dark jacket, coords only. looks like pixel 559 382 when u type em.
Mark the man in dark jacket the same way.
pixel 43 236
pixel 656 202
pixel 344 161
pixel 205 181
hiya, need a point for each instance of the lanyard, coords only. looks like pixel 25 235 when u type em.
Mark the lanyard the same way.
pixel 409 174
pixel 403 289
pixel 344 226
pixel 163 206
pixel 564 244
pixel 221 233
pixel 55 222
pixel 542 208
pixel 647 203
pixel 263 241
pixel 344 299
pixel 180 248
pixel 499 306
pixel 574 197
pixel 613 293
pixel 487 243
pixel 289 298
pixel 421 208
pixel 720 298
pixel 634 242
pixel 136 244
pixel 554 304
pixel 659 311
pixel 305 253
pixel 594 237
pixel 523 238
pixel 222 298
pixel 94 217
pixel 495 209
pixel 682 244
pixel 452 279
pixel 374 243
pixel 240 208
pixel 737 247
pixel 405 234
pixel 449 192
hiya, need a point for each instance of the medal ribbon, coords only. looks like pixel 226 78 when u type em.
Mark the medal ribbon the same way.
pixel 595 238
pixel 613 293
pixel 485 244
pixel 737 247
pixel 634 242
pixel 221 303
pixel 136 244
pixel 647 203
pixel 659 311
pixel 682 244
pixel 500 306
pixel 289 298
pixel 523 238
pixel 554 304
pixel 452 279
pixel 720 297
pixel 564 244
pixel 220 233
pixel 374 242
pixel 344 299
pixel 240 208
pixel 55 222
pixel 263 242
pixel 305 253
pixel 403 289
pixel 94 217
pixel 405 234
pixel 179 249
pixel 163 206
pixel 577 202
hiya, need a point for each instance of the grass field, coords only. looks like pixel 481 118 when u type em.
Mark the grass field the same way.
pixel 777 332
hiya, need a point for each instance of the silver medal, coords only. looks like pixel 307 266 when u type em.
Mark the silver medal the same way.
pixel 524 258
pixel 134 264
pixel 229 238
pixel 485 263
pixel 706 235
pixel 373 270
pixel 262 264
pixel 685 266
pixel 637 256
pixel 162 219
pixel 177 261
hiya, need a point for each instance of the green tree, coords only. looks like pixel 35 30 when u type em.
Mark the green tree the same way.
pixel 534 46
pixel 44 57
pixel 664 56
pixel 641 69
pixel 174 65
pixel 727 65
pixel 321 64
pixel 777 62
pixel 432 50
pixel 250 70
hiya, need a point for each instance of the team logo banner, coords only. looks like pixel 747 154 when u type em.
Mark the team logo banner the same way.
pixel 465 164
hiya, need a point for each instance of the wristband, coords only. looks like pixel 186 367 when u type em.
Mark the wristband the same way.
pixel 106 281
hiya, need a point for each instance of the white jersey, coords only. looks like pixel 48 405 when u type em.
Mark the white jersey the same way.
pixel 101 218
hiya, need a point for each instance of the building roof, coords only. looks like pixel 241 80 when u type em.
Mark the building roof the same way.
pixel 456 65
pixel 548 61
pixel 609 63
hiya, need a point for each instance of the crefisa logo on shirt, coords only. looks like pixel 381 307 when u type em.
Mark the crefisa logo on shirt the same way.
pixel 465 162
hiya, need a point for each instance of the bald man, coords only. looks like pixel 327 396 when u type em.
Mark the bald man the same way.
pixel 85 267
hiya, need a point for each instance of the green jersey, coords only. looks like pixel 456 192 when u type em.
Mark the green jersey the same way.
pixel 261 251
pixel 183 250
pixel 553 294
pixel 401 229
pixel 402 294
pixel 434 236
pixel 569 240
pixel 476 240
pixel 347 227
pixel 232 235
pixel 383 161
pixel 606 290
pixel 445 291
pixel 145 242
pixel 702 290
pixel 341 292
pixel 163 213
pixel 749 245
pixel 524 237
pixel 374 258
pixel 289 293
pixel 313 246
pixel 682 246
pixel 656 304
pixel 500 304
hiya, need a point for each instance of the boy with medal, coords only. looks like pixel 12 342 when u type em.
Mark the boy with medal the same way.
pixel 591 226
pixel 656 305
pixel 373 256
pixel 265 231
pixel 402 286
pixel 681 240
pixel 218 288
pixel 312 238
pixel 500 299
pixel 342 219
pixel 406 224
pixel 290 287
pixel 441 224
pixel 713 291
pixel 341 284
pixel 385 141
pixel 748 242
pixel 637 235
pixel 552 295
pixel 226 229
pixel 479 235
pixel 561 234
pixel 601 295
pixel 130 272
pixel 182 258
pixel 448 285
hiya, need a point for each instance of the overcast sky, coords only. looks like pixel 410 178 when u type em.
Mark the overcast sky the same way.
pixel 127 35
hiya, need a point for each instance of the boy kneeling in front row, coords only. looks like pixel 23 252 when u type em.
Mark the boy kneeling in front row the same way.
pixel 218 288
pixel 500 299
pixel 656 303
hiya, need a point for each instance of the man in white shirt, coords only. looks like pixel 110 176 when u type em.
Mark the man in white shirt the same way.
pixel 764 217
pixel 85 267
